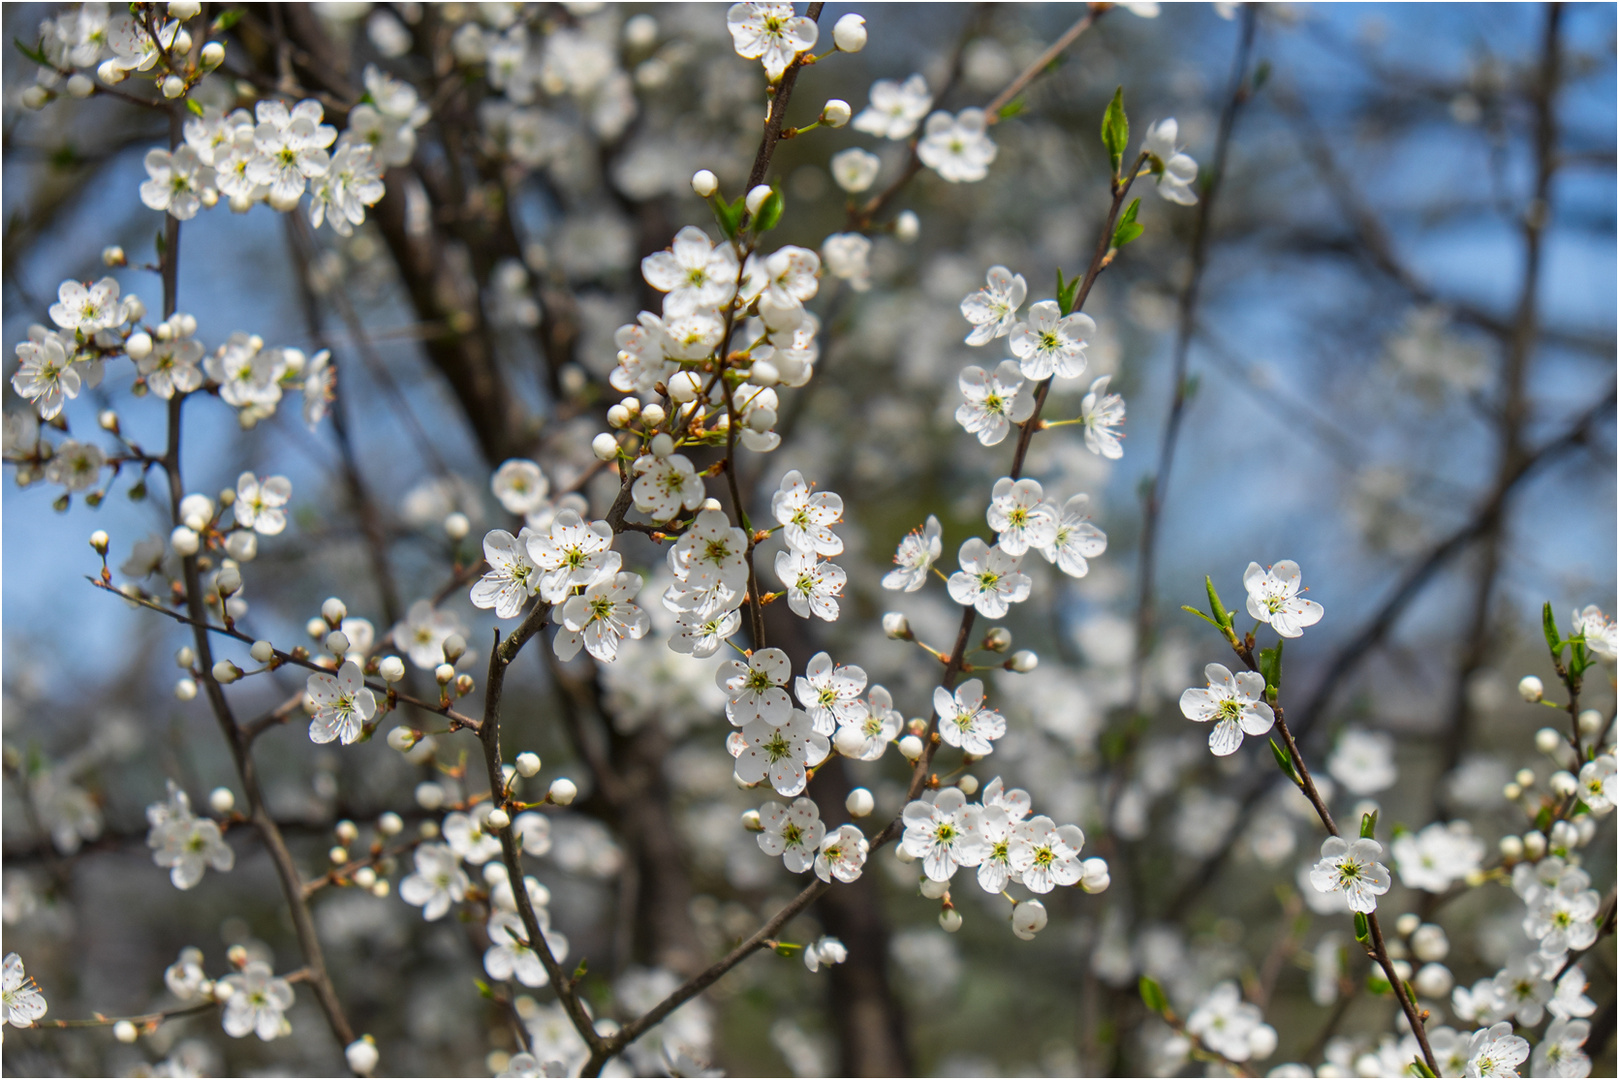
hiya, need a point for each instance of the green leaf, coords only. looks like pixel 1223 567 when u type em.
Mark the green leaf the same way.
pixel 484 989
pixel 228 19
pixel 730 214
pixel 1554 639
pixel 1222 617
pixel 1152 996
pixel 1065 292
pixel 579 972
pixel 1270 666
pixel 37 55
pixel 1012 108
pixel 1418 1067
pixel 1284 763
pixel 1363 927
pixel 1199 614
pixel 1368 825
pixel 1127 229
pixel 1116 130
pixel 194 105
pixel 1261 77
pixel 770 212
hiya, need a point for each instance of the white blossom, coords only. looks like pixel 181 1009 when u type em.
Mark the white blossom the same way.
pixel 945 834
pixel 1075 539
pixel 1601 633
pixel 894 108
pixel 573 553
pixel 694 272
pixel 259 504
pixel 1352 869
pixel 993 309
pixel 779 750
pixel 957 147
pixel 1102 412
pixel 989 579
pixel 1020 516
pixel 257 1002
pixel 1273 598
pixel 994 402
pixel 773 34
pixel 842 855
pixel 1235 704
pixel 1050 343
pixel 177 182
pixel 344 704
pixel 813 584
pixel 665 486
pixel 605 615
pixel 831 695
pixel 1176 171
pixel 917 552
pixel 806 516
pixel 1496 1051
pixel 423 632
pixel 437 883
pixel 963 719
pixel 792 832
pixel 512 576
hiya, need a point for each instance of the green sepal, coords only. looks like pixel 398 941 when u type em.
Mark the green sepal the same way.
pixel 1127 229
pixel 484 989
pixel 579 972
pixel 1418 1067
pixel 194 105
pixel 729 214
pixel 1199 614
pixel 1554 639
pixel 1285 764
pixel 770 212
pixel 1363 929
pixel 1221 616
pixel 1261 77
pixel 1065 292
pixel 228 19
pixel 1012 108
pixel 1368 825
pixel 1152 996
pixel 1116 130
pixel 1270 666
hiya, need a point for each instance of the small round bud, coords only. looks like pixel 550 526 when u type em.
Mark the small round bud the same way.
pixel 455 647
pixel 445 674
pixel 403 738
pixel 226 672
pixel 1512 792
pixel 1434 981
pixel 463 684
pixel 849 33
pixel 364 877
pixel 99 541
pixel 933 890
pixel 751 821
pixel 850 741
pixel 684 386
pixel 907 227
pixel 902 855
pixel 1534 844
pixel 498 819
pixel 221 800
pixel 968 783
pixel 184 9
pixel 1547 740
pixel 1590 722
pixel 242 545
pixel 764 373
pixel 1563 784
pixel 1407 923
pixel 237 956
pixel 618 416
pixel 859 803
pixel 185 657
pixel 916 726
pixel 80 85
pixel 173 86
pixel 835 113
pixel 1028 919
pixel 184 541
pixel 213 54
pixel 139 345
pixel 662 445
pixel 563 792
pixel 911 747
pixel 338 855
pixel 390 823
pixel 1025 661
pixel 392 669
pixel 528 764
pixel 262 651
pixel 1511 848
pixel 334 611
pixel 125 1032
pixel 604 446
pixel 228 582
pixel 113 255
pixel 896 625
pixel 761 419
pixel 457 525
pixel 108 420
pixel 1524 778
pixel 35 97
pixel 429 796
pixel 652 415
pixel 756 198
pixel 950 919
pixel 999 639
pixel 361 1054
pixel 185 690
pixel 337 643
pixel 346 831
pixel 1531 689
pixel 704 183
pixel 1429 943
pixel 316 629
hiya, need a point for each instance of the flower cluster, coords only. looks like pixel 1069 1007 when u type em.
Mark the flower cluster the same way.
pixel 183 842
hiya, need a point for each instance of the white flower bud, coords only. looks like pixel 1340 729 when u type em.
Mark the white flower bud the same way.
pixel 950 919
pixel 684 386
pixel 445 674
pixel 457 525
pixel 528 764
pixel 213 54
pixel 316 629
pixel 403 738
pixel 968 783
pixel 392 669
pixel 242 545
pixel 1565 834
pixel 80 85
pixel 337 854
pixel 334 611
pixel 1434 981
pixel 390 823
pixel 835 113
pixel 226 672
pixel 652 415
pixel 1028 919
pixel 563 792
pixel 751 821
pixel 1262 1040
pixel 1524 778
pixel 125 1032
pixel 173 86
pixel 911 747
pixel 184 542
pixel 859 803
pixel 907 226
pixel 999 639
pixel 108 420
pixel 1094 876
pixel 361 1054
pixel 221 800
pixel 1531 689
pixel 99 541
pixel 182 43
pixel 704 183
pixel 1511 792
pixel 662 445
pixel 764 373
pixel 756 198
pixel 113 255
pixel 619 417
pixel 849 33
pixel 1534 844
pixel 184 9
pixel 896 625
pixel 1511 848
pixel 762 419
pixel 1547 740
pixel 850 741
pixel 337 643
pixel 262 651
pixel 36 96
pixel 604 446
pixel 1563 784
pixel 498 819
pixel 1590 722
pixel 902 855
pixel 1407 924
pixel 933 890
pixel 429 796
pixel 455 647
pixel 1429 942
pixel 185 690
pixel 228 582
pixel 1025 661
pixel 139 345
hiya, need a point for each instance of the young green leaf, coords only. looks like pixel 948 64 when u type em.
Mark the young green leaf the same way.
pixel 1418 1067
pixel 1012 108
pixel 36 55
pixel 1152 996
pixel 194 105
pixel 1065 292
pixel 1127 229
pixel 1222 617
pixel 1199 614
pixel 229 19
pixel 1554 639
pixel 1368 825
pixel 1116 130
pixel 1270 666
pixel 1363 928
pixel 730 214
pixel 770 212
pixel 1283 763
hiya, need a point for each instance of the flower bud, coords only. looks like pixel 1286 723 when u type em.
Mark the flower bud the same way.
pixel 756 198
pixel 262 651
pixel 604 446
pixel 213 54
pixel 907 227
pixel 1524 778
pixel 390 823
pixel 563 792
pixel 392 669
pixel 1531 689
pixel 1511 848
pixel 228 582
pixel 999 639
pixel 764 373
pixel 1028 919
pixel 361 1054
pixel 1534 844
pixel 125 1031
pixel 1434 981
pixel 316 629
pixel 902 855
pixel 859 803
pixel 968 783
pixel 896 625
pixel 704 183
pixel 185 657
pixel 1563 784
pixel 463 684
pixel 173 86
pixel 835 113
pixel 242 545
pixel 528 764
pixel 184 9
pixel 911 747
pixel 1407 924
pixel 334 611
pixel 1590 722
pixel 429 796
pixel 850 741
pixel 226 672
pixel 618 416
pixel 652 415
pixel 1512 792
pixel 1429 942
pixel 403 738
pixel 185 690
pixel 497 820
pixel 1093 875
pixel 184 541
pixel 849 33
pixel 138 346
pixel 455 647
pixel 933 890
pixel 445 674
pixel 80 85
pixel 346 832
pixel 36 96
pixel 751 821
pixel 99 541
pixel 337 854
pixel 1025 661
pixel 684 386
pixel 950 919
pixel 457 525
pixel 221 800
pixel 1547 740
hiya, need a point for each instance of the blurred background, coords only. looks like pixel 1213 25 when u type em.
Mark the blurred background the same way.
pixel 1398 371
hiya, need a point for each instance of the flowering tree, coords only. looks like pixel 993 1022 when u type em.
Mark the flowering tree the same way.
pixel 585 510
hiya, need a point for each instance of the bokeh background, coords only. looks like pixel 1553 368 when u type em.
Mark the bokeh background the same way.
pixel 1369 363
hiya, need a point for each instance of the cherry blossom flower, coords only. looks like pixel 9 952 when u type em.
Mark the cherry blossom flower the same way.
pixel 813 585
pixel 133 48
pixel 944 834
pixel 1233 702
pixel 788 277
pixel 756 690
pixel 1102 412
pixel 1050 343
pixel 352 181
pixel 469 836
pixel 779 750
pixel 793 832
pixel 85 308
pixel 806 516
pixel 508 955
pixel 247 373
pixel 186 978
pixel 963 719
pixel 1046 855
pixel 855 169
pixel 1570 1000
pixel 178 182
pixel 290 149
pixel 878 727
pixel 1075 539
pixel 1352 869
pixel 711 551
pixel 186 844
pixel 957 147
pixel 1273 598
pixel 319 387
pixel 423 632
pixel 344 704
pixel 842 855
pixel 847 257
pixel 1564 917
pixel 996 826
pixel 702 636
pixel 1559 1052
pixel 642 355
pixel 915 557
pixel 694 272
pixel 1226 1024
pixel 773 34
pixel 437 883
pixel 1601 633
pixel 258 504
pixel 1363 761
pixel 825 950
pixel 22 999
pixel 388 121
pixel 1176 171
pixel 894 108
pixel 1020 515
pixel 572 553
pixel 1437 856
pixel 520 486
pixel 605 615
pixel 831 696
pixel 48 375
pixel 1495 1051
pixel 993 309
pixel 512 576
pixel 171 367
pixel 1597 787
pixel 994 402
pixel 989 579
pixel 75 465
pixel 256 1003
pixel 665 486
